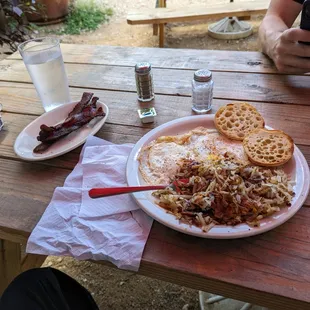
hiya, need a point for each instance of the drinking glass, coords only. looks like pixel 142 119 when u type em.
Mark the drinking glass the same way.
pixel 45 66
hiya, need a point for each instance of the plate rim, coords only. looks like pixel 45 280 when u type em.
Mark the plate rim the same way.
pixel 299 157
pixel 39 158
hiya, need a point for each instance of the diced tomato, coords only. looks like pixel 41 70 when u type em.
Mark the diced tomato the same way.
pixel 177 189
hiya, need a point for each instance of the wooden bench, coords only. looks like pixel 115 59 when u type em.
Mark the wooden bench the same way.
pixel 163 15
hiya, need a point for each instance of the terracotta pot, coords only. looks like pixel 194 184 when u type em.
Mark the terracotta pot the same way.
pixel 54 10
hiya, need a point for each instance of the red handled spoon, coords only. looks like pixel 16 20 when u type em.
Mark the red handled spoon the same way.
pixel 112 191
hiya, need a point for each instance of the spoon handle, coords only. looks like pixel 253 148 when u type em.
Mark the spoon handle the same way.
pixel 112 191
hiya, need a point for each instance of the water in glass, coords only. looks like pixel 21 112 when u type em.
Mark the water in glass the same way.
pixel 45 65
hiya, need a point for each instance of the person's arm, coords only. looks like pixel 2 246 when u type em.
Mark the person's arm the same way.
pixel 280 42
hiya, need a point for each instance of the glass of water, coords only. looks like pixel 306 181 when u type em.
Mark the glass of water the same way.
pixel 45 65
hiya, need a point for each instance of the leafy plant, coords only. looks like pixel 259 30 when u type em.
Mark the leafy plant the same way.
pixel 85 16
pixel 14 27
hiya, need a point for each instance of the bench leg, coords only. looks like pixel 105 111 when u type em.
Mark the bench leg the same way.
pixel 155 29
pixel 11 263
pixel 161 35
pixel 159 4
pixel 32 261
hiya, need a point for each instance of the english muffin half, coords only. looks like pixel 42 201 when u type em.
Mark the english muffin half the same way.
pixel 269 148
pixel 237 120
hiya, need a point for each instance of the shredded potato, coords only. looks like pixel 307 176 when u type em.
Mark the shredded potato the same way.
pixel 223 191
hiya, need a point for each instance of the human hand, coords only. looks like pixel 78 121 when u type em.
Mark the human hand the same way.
pixel 290 56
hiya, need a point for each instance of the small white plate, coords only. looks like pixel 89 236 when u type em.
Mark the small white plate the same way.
pixel 297 168
pixel 27 139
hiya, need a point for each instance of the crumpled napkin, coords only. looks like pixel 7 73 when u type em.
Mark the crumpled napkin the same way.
pixel 110 228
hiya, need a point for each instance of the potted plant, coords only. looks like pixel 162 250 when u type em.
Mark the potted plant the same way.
pixel 54 10
pixel 14 27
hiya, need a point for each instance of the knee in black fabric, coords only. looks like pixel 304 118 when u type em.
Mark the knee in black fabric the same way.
pixel 46 289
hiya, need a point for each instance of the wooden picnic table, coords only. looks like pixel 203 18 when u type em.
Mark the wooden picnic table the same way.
pixel 272 269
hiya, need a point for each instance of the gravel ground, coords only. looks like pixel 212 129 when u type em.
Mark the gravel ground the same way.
pixel 117 289
pixel 189 35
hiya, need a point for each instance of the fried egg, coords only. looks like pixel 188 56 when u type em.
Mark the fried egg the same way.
pixel 163 158
pixel 158 161
pixel 224 145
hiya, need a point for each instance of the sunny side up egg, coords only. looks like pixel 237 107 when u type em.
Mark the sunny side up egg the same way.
pixel 158 161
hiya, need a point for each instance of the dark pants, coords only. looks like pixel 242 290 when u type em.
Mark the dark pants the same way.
pixel 46 289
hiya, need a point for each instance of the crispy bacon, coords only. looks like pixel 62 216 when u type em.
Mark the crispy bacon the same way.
pixel 86 97
pixel 82 114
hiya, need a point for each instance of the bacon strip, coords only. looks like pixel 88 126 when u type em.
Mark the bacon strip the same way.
pixel 82 114
pixel 86 97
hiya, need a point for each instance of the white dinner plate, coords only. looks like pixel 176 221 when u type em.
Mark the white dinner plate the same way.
pixel 27 139
pixel 297 168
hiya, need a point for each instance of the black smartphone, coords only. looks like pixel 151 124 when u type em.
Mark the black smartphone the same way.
pixel 305 18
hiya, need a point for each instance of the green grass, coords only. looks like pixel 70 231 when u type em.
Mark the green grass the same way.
pixel 85 16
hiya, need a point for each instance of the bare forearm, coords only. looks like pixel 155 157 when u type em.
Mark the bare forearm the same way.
pixel 280 42
pixel 270 30
pixel 280 17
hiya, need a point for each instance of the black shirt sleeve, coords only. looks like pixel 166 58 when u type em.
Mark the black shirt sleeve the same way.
pixel 299 1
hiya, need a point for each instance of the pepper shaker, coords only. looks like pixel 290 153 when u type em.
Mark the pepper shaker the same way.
pixel 202 91
pixel 144 81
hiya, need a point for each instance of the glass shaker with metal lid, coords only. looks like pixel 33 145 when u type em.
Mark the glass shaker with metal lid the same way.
pixel 202 91
pixel 144 81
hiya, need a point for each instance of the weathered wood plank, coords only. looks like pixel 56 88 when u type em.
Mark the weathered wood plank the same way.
pixel 15 187
pixel 265 272
pixel 192 13
pixel 113 132
pixel 32 261
pixel 13 236
pixel 238 61
pixel 123 111
pixel 305 150
pixel 234 86
pixel 23 202
pixel 161 35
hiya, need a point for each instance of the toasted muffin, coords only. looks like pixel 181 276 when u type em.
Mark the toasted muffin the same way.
pixel 268 148
pixel 237 120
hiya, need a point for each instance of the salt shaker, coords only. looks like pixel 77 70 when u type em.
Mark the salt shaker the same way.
pixel 202 91
pixel 144 81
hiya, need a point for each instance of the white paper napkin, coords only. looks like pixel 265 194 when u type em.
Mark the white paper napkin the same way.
pixel 104 166
pixel 111 228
